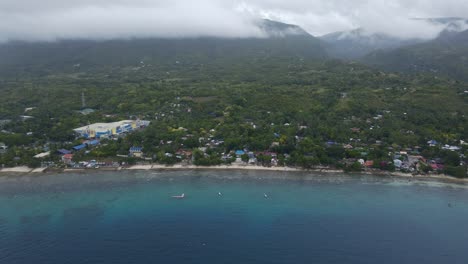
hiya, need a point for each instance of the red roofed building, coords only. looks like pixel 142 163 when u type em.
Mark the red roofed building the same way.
pixel 369 163
pixel 67 158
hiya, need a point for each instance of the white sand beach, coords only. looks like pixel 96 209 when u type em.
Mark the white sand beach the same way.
pixel 220 167
pixel 22 169
pixel 436 177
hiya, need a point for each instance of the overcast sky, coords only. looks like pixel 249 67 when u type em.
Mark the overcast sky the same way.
pixel 107 19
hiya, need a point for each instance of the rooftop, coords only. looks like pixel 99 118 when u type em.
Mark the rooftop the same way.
pixel 103 126
pixel 42 155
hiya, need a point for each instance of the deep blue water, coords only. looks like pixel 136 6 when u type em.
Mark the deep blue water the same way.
pixel 129 217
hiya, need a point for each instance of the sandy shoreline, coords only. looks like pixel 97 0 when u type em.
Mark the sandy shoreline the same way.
pixel 23 169
pixel 220 167
pixel 26 170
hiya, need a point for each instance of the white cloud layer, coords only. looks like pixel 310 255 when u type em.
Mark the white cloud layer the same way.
pixel 47 20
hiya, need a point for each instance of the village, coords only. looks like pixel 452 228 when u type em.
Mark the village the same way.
pixel 279 144
pixel 210 151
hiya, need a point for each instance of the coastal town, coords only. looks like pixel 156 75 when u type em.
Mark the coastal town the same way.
pixel 295 116
pixel 93 145
pixel 232 131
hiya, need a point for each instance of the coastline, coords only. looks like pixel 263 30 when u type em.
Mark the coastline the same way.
pixel 236 167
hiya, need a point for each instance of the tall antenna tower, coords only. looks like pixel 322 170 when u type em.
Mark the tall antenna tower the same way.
pixel 83 101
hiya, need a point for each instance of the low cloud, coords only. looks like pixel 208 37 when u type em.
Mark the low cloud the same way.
pixel 49 20
pixel 124 19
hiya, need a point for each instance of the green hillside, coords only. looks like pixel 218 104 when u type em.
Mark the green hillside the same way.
pixel 445 56
pixel 280 40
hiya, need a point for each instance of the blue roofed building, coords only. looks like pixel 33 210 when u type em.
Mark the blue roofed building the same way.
pixel 106 130
pixel 240 153
pixel 92 142
pixel 79 147
pixel 63 151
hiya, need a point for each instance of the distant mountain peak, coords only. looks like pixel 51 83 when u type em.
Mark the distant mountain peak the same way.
pixel 278 29
pixel 442 20
pixel 359 42
pixel 446 55
pixel 279 40
pixel 356 43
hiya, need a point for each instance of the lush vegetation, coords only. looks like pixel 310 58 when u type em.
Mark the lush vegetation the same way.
pixel 290 106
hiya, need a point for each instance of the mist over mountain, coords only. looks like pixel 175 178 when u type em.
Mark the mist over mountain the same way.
pixel 277 40
pixel 446 55
pixel 357 43
pixel 51 20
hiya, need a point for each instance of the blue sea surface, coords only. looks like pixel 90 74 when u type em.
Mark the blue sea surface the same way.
pixel 260 217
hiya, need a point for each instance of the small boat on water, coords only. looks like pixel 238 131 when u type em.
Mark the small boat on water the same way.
pixel 182 196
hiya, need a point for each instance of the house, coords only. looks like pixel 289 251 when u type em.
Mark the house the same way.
pixel 369 163
pixel 79 147
pixel 274 144
pixel 268 153
pixel 432 143
pixel 67 158
pixel 25 117
pixel 42 155
pixel 415 159
pixel 3 148
pixel 252 158
pixel 136 152
pixel 183 154
pixel 226 157
pixel 94 142
pixel 63 151
pixel 451 148
pixel 398 163
pixel 29 109
pixel 239 153
pixel 87 111
pixel 436 166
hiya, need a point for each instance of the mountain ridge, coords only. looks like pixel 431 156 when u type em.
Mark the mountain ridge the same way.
pixel 446 55
pixel 357 43
pixel 281 40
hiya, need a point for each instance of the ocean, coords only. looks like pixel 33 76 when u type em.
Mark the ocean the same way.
pixel 230 217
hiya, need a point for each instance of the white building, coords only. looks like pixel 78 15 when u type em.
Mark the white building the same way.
pixel 99 130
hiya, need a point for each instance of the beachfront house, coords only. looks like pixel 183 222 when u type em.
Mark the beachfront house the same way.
pixel 136 152
pixel 3 148
pixel 67 158
pixel 239 153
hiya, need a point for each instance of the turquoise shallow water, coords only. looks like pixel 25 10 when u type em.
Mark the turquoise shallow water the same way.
pixel 130 217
